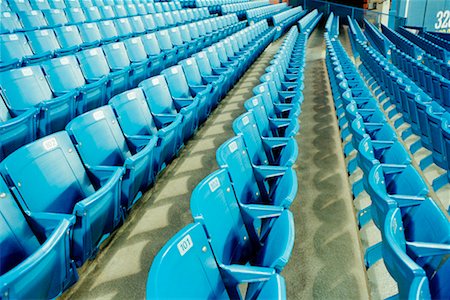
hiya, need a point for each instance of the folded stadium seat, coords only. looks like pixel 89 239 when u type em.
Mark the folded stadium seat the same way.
pixel 162 103
pixel 27 88
pixel 271 126
pixel 75 15
pixel 10 22
pixel 289 92
pixel 231 241
pixel 66 190
pixel 137 25
pixel 150 7
pixel 95 67
pixel 92 14
pixel 18 6
pixel 399 252
pixel 57 4
pixel 140 126
pixel 193 45
pixel 184 16
pixel 177 18
pixel 142 65
pixel 160 21
pixel 64 76
pixel 123 27
pixel 120 11
pixel 149 23
pixel 255 184
pixel 435 114
pixel 86 3
pixel 230 74
pixel 212 280
pixel 183 49
pixel 73 3
pixel 170 22
pixel 118 60
pixel 208 36
pixel 165 44
pixel 98 3
pixel 141 9
pixel 216 77
pixel 14 48
pixel 194 34
pixel 165 6
pixel 107 12
pixel 131 10
pixel 32 19
pixel 272 151
pixel 244 59
pixel 158 7
pixel 283 100
pixel 108 31
pixel 101 144
pixel 158 58
pixel 35 260
pixel 40 5
pixel 198 85
pixel 180 91
pixel 55 17
pixel 90 34
pixel 286 83
pixel 16 130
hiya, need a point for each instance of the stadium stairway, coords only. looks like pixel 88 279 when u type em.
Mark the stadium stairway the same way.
pixel 326 261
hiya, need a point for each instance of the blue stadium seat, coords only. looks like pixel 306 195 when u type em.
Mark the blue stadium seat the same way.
pixel 40 4
pixel 118 60
pixel 101 144
pixel 69 39
pixel 160 21
pixel 177 42
pixel 108 31
pixel 149 23
pixel 158 58
pixel 140 63
pixel 52 166
pixel 32 19
pixel 20 5
pixel 92 14
pixel 16 130
pixel 219 76
pixel 189 250
pixel 161 104
pixel 256 184
pixel 214 205
pixel 435 115
pixel 14 49
pixel 57 4
pixel 269 126
pixel 139 126
pixel 123 27
pixel 10 22
pixel 27 88
pixel 35 260
pixel 137 25
pixel 120 11
pixel 90 34
pixel 43 43
pixel 75 15
pixel 180 91
pixel 107 12
pixel 268 151
pixel 64 76
pixel 95 67
pixel 217 67
pixel 275 108
pixel 55 17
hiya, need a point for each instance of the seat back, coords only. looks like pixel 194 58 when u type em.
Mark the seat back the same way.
pixel 55 17
pixel 98 138
pixel 25 87
pixel 107 12
pixel 42 41
pixel 120 11
pixel 10 22
pixel 411 279
pixel 107 30
pixel 203 63
pixel 92 14
pixel 177 82
pixel 191 71
pixel 89 32
pixel 123 27
pixel 175 36
pixel 75 15
pixel 164 40
pixel 93 63
pixel 185 34
pixel 160 20
pixel 63 74
pixel 245 125
pixel 233 156
pixel 133 113
pixel 213 57
pixel 32 19
pixel 17 240
pixel 135 49
pixel 158 95
pixel 214 205
pixel 52 166
pixel 137 25
pixel 14 46
pixel 68 36
pixel 149 23
pixel 189 251
pixel 116 55
pixel 151 44
pixel 256 104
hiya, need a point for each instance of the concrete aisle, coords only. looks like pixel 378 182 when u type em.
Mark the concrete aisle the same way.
pixel 326 262
pixel 120 270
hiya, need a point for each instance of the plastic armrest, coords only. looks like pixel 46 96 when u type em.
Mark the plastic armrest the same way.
pixel 263 173
pixel 381 145
pixel 163 120
pixel 103 174
pixel 406 200
pixel 261 211
pixel 237 274
pixel 182 102
pixel 45 223
pixel 423 249
pixel 139 142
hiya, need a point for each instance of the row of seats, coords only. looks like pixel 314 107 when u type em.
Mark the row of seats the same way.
pixel 250 194
pixel 265 12
pixel 402 43
pixel 34 46
pixel 50 18
pixel 28 5
pixel 91 174
pixel 427 117
pixel 413 251
pixel 41 99
pixel 375 37
pixel 284 20
pixel 242 7
pixel 436 40
pixel 428 46
pixel 309 22
pixel 213 5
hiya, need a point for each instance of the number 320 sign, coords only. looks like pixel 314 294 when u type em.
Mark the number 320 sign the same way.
pixel 443 20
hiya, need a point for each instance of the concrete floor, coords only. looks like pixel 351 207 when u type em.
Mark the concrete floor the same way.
pixel 326 262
